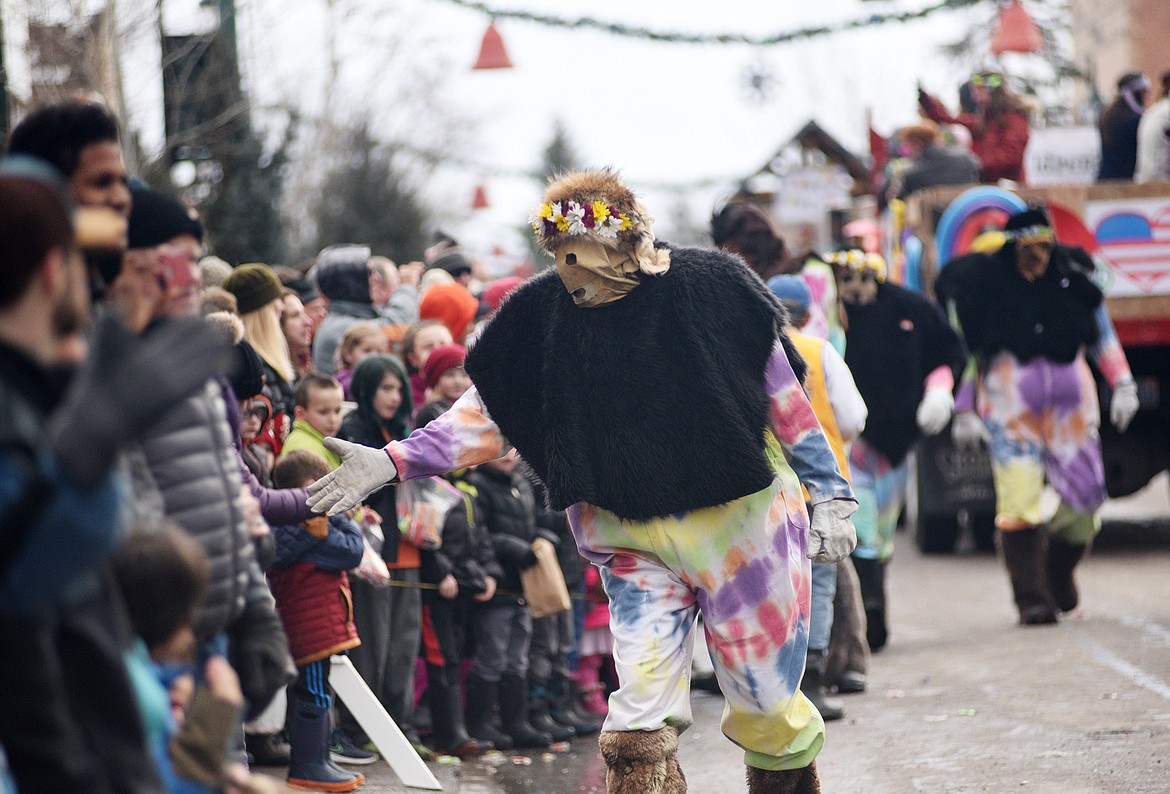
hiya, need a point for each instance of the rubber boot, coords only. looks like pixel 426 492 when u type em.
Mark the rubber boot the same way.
pixel 813 687
pixel 784 781
pixel 1063 557
pixel 562 707
pixel 588 675
pixel 309 766
pixel 539 716
pixel 642 762
pixel 514 714
pixel 482 698
pixel 871 576
pixel 448 729
pixel 1023 553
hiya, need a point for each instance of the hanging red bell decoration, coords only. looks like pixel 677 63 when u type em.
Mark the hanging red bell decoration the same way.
pixel 1016 32
pixel 479 201
pixel 492 54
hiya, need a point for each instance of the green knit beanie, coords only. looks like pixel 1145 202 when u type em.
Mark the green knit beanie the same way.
pixel 255 286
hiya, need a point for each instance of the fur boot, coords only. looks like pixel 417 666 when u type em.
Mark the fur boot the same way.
pixel 784 781
pixel 1063 557
pixel 642 762
pixel 1024 555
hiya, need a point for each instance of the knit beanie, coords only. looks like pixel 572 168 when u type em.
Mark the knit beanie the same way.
pixel 213 271
pixel 247 374
pixel 453 260
pixel 305 288
pixel 791 289
pixel 499 289
pixel 441 359
pixel 156 218
pixel 254 285
pixel 452 305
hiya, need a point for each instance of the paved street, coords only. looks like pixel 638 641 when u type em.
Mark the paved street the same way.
pixel 962 700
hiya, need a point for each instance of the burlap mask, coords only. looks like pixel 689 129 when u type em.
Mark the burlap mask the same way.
pixel 596 274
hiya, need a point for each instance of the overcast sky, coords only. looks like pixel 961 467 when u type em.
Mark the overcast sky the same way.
pixel 662 113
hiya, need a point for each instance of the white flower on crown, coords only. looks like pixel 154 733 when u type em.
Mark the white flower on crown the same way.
pixel 609 227
pixel 576 218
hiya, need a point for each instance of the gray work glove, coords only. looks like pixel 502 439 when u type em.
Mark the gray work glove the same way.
pixel 935 410
pixel 968 431
pixel 831 536
pixel 1123 405
pixel 363 470
pixel 127 383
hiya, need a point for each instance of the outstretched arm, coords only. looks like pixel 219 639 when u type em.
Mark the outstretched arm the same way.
pixel 462 437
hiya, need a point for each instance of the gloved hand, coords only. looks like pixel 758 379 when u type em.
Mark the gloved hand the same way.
pixel 968 431
pixel 1123 405
pixel 363 470
pixel 127 384
pixel 935 410
pixel 831 536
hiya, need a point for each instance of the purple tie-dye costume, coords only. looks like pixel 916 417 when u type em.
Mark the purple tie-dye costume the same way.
pixel 742 563
pixel 1043 419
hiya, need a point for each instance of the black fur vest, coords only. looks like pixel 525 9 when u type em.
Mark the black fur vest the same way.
pixel 649 406
pixel 1052 317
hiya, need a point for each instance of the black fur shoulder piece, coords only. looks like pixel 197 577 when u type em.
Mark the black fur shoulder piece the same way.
pixel 652 405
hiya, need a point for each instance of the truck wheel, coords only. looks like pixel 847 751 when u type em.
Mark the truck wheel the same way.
pixel 936 534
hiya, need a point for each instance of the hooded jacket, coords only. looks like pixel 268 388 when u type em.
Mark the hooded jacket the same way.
pixel 364 426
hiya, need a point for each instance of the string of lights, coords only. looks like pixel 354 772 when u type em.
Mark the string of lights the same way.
pixel 677 37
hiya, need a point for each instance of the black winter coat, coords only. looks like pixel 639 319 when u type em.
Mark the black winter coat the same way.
pixel 507 507
pixel 467 552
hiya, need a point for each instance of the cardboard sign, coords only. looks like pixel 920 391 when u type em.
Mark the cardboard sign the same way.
pixel 1062 156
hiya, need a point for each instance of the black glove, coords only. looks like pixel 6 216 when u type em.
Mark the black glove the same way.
pixel 127 384
pixel 528 560
pixel 258 650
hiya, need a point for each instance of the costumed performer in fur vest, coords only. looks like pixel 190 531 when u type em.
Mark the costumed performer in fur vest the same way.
pixel 1032 314
pixel 655 393
pixel 904 357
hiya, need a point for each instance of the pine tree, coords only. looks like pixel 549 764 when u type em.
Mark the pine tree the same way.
pixel 368 197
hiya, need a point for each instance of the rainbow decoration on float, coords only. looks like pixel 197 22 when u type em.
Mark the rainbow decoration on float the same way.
pixel 973 212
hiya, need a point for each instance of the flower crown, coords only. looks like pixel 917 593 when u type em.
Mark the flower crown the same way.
pixel 856 259
pixel 1034 232
pixel 571 217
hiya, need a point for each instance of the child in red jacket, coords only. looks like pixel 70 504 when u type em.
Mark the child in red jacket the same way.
pixel 312 595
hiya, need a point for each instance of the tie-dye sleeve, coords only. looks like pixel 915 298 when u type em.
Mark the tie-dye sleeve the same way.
pixel 462 437
pixel 799 433
pixel 1107 353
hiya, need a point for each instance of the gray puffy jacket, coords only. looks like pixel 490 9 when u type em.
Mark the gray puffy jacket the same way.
pixel 188 459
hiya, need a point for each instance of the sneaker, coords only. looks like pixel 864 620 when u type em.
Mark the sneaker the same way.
pixel 266 749
pixel 342 750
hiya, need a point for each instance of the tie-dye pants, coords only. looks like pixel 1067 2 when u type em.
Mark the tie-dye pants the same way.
pixel 880 489
pixel 1043 419
pixel 741 564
